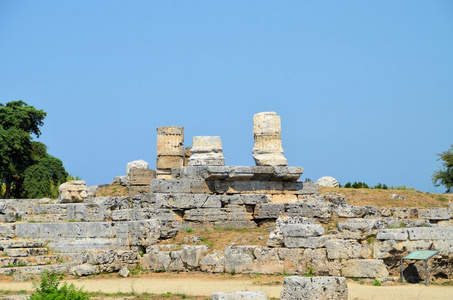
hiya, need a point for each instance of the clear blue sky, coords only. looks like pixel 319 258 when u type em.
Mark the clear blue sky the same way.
pixel 364 88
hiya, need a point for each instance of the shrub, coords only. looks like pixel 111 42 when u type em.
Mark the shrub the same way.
pixel 376 283
pixel 48 289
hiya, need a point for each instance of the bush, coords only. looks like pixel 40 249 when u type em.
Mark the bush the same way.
pixel 48 289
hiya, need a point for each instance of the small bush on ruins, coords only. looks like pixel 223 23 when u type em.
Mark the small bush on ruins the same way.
pixel 48 289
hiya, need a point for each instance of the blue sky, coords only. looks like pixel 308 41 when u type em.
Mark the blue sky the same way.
pixel 364 88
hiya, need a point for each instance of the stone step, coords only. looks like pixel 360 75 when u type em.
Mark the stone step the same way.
pixel 28 261
pixel 8 243
pixel 82 245
pixel 24 252
pixel 44 218
pixel 58 268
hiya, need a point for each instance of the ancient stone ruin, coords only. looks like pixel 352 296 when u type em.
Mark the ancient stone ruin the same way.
pixel 308 232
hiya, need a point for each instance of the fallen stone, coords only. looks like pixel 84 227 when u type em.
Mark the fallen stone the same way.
pixel 124 272
pixel 328 181
pixel 295 287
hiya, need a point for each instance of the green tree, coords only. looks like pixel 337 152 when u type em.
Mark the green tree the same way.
pixel 26 170
pixel 444 176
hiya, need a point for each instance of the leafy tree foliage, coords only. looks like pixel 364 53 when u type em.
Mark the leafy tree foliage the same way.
pixel 49 289
pixel 444 176
pixel 26 170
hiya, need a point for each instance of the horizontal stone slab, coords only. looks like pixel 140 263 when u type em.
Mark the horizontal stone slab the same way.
pixel 435 214
pixel 430 233
pixel 302 230
pixel 364 268
pixel 239 173
pixel 308 242
pixel 392 234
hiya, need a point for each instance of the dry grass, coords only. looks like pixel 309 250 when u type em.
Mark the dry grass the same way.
pixel 381 198
pixel 113 190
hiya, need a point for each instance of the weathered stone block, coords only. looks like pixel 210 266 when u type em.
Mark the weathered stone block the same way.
pixel 267 261
pixel 213 263
pixel 392 234
pixel 308 242
pixel 284 198
pixel 141 176
pixel 206 151
pixel 170 140
pixel 169 162
pixel 191 255
pixel 296 287
pixel 365 268
pixel 73 191
pixel 430 233
pixel 309 210
pixel 348 249
pixel 302 230
pixel 434 214
pixel 268 210
pixel 239 259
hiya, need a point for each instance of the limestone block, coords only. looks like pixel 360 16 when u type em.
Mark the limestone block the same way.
pixel 268 210
pixel 73 191
pixel 295 287
pixel 213 263
pixel 360 228
pixel 365 268
pixel 170 141
pixel 404 213
pixel 348 249
pixel 308 242
pixel 192 255
pixel 292 259
pixel 124 272
pixel 350 211
pixel 240 199
pixel 206 151
pixel 393 234
pixel 328 181
pixel 444 246
pixel 311 210
pixel 206 215
pixel 267 261
pixel 243 295
pixel 287 220
pixel 169 162
pixel 176 264
pixel 136 165
pixel 267 150
pixel 435 214
pixel 286 173
pixel 302 230
pixel 190 201
pixel 389 249
pixel 284 198
pixel 141 176
pixel 84 270
pixel 430 233
pixel 239 259
pixel 144 233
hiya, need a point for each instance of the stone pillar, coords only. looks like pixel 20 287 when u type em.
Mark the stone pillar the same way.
pixel 206 151
pixel 268 150
pixel 170 150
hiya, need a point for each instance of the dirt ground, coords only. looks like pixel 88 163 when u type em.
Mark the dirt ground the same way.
pixel 205 285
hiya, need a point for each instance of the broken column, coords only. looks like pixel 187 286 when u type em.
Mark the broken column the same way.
pixel 268 150
pixel 206 151
pixel 170 150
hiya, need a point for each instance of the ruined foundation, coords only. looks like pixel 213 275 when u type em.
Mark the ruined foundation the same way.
pixel 308 232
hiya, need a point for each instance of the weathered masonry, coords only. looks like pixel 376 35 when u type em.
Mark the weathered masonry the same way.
pixel 193 188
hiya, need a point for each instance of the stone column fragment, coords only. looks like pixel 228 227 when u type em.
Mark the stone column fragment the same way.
pixel 268 150
pixel 170 150
pixel 206 151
